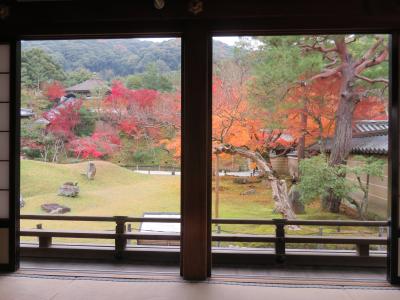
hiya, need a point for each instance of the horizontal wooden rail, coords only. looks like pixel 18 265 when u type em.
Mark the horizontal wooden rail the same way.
pixel 336 240
pixel 244 238
pixel 280 239
pixel 67 218
pixel 337 223
pixel 98 234
pixel 214 221
pixel 243 221
pixel 215 237
pixel 68 234
pixel 301 222
pixel 99 219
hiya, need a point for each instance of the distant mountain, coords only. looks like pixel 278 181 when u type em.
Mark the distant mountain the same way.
pixel 120 57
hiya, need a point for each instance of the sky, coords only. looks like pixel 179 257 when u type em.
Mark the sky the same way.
pixel 230 40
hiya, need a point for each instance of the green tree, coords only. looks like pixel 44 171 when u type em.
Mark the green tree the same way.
pixel 77 76
pixel 134 82
pixel 37 67
pixel 369 166
pixel 87 123
pixel 319 179
pixel 360 61
pixel 153 79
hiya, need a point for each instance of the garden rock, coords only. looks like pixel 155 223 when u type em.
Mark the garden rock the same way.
pixel 246 180
pixel 91 170
pixel 241 180
pixel 294 200
pixel 54 208
pixel 69 189
pixel 21 202
pixel 248 192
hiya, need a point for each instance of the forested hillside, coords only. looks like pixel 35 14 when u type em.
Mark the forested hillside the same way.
pixel 119 57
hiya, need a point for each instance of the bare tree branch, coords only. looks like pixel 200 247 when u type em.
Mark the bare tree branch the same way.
pixel 332 63
pixel 326 73
pixel 316 47
pixel 278 186
pixel 370 52
pixel 372 62
pixel 371 80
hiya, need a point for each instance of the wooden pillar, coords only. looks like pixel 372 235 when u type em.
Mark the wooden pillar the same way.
pixel 217 183
pixel 9 154
pixel 394 162
pixel 196 145
pixel 120 241
pixel 280 244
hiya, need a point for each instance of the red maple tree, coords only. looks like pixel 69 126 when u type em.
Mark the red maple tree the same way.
pixel 98 145
pixel 54 90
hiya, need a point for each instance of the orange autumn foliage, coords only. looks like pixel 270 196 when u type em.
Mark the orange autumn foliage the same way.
pixel 239 122
pixel 319 101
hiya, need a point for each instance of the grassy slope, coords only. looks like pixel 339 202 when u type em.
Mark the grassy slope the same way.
pixel 261 206
pixel 114 191
pixel 118 191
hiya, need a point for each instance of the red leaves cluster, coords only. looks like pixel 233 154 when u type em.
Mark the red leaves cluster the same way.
pixel 63 119
pixel 54 91
pixel 129 126
pixel 144 114
pixel 319 102
pixel 240 122
pixel 122 96
pixel 132 111
pixel 124 115
pixel 371 108
pixel 144 98
pixel 100 144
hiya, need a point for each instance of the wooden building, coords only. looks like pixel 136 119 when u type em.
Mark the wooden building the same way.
pixel 88 87
pixel 370 138
pixel 196 22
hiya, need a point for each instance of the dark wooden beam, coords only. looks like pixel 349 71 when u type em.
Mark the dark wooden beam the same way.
pixel 223 16
pixel 394 160
pixel 195 144
pixel 69 11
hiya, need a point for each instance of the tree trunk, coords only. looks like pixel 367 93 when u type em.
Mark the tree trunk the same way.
pixel 331 203
pixel 302 140
pixel 348 70
pixel 341 143
pixel 279 187
pixel 364 203
pixel 216 214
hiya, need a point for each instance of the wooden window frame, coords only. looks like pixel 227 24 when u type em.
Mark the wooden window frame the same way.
pixel 223 18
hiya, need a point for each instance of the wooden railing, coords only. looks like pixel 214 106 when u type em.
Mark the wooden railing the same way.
pixel 279 239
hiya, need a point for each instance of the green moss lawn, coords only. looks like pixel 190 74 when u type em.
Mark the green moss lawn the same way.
pixel 119 191
pixel 114 191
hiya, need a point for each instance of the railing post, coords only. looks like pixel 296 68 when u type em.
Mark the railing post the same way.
pixel 320 233
pixel 280 249
pixel 44 241
pixel 363 249
pixel 120 241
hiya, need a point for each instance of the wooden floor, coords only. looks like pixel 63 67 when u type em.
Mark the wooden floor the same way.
pixel 378 274
pixel 75 280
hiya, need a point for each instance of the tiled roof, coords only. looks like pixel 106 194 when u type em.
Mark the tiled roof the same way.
pixel 87 86
pixel 369 137
pixel 370 144
pixel 370 127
